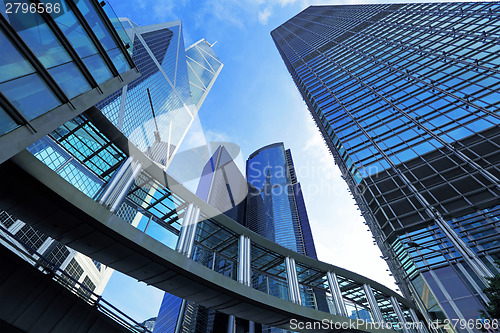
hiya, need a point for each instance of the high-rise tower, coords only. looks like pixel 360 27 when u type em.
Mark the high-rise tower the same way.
pixel 275 209
pixel 406 97
pixel 275 206
pixel 224 187
pixel 156 110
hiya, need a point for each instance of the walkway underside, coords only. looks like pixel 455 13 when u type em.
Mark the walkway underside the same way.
pixel 31 301
pixel 33 193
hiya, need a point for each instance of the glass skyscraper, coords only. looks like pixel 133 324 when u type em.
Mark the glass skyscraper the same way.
pixel 275 209
pixel 156 110
pixel 407 99
pixel 275 206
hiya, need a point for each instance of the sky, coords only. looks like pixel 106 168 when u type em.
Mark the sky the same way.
pixel 253 103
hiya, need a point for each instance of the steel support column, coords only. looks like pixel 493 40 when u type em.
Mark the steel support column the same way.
pixel 399 313
pixel 244 272
pixel 180 317
pixel 244 269
pixel 231 324
pixel 185 243
pixel 136 167
pixel 377 314
pixel 338 301
pixel 293 282
pixel 119 186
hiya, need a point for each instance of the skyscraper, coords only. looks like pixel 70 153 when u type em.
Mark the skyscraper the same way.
pixel 275 206
pixel 156 110
pixel 224 187
pixel 406 97
pixel 65 58
pixel 275 209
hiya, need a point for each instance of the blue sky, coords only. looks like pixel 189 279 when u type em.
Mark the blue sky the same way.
pixel 253 103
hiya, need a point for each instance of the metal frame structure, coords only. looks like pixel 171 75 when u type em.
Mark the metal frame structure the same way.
pixel 406 98
pixel 221 245
pixel 46 267
pixel 30 131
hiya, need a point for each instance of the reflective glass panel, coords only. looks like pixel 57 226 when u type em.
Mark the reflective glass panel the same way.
pixel 73 30
pixel 118 60
pixel 117 25
pixel 69 78
pixel 7 124
pixel 96 24
pixel 29 95
pixel 13 64
pixel 39 38
pixel 98 68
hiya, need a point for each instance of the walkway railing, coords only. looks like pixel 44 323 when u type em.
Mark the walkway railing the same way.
pixel 45 266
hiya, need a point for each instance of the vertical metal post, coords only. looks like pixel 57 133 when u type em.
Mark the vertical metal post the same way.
pixel 231 324
pixel 421 327
pixel 293 282
pixel 192 231
pixel 185 242
pixel 127 182
pixel 180 317
pixel 115 180
pixel 182 236
pixel 244 267
pixel 241 259
pixel 377 314
pixel 249 262
pixel 399 313
pixel 214 261
pixel 338 301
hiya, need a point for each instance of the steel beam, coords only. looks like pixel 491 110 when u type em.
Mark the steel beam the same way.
pixel 338 301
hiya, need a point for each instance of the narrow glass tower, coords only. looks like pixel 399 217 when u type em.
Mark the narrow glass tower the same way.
pixel 275 206
pixel 406 97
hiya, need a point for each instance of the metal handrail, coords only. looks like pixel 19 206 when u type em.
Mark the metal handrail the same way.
pixel 72 285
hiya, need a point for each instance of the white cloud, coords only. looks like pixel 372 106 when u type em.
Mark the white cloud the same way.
pixel 195 136
pixel 213 136
pixel 163 9
pixel 264 15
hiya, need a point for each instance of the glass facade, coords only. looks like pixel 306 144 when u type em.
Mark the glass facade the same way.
pixel 275 209
pixel 168 314
pixel 178 80
pixel 407 97
pixel 53 57
pixel 275 206
pixel 203 67
pixel 223 186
